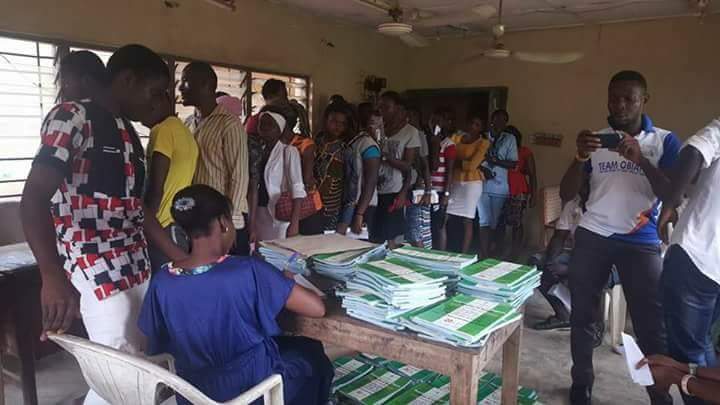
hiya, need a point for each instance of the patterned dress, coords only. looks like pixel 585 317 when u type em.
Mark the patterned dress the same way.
pixel 329 173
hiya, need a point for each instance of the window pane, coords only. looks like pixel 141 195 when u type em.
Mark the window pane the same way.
pixel 8 190
pixel 27 92
pixel 231 81
pixel 19 147
pixel 14 169
pixel 297 90
pixel 20 46
pixel 103 55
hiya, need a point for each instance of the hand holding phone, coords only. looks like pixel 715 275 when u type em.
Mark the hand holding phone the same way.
pixel 608 140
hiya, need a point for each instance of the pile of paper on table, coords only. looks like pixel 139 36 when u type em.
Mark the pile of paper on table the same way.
pixel 284 259
pixel 402 285
pixel 293 254
pixel 461 320
pixel 497 281
pixel 436 260
pixel 370 308
pixel 342 265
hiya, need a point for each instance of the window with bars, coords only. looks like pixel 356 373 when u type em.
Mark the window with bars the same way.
pixel 142 131
pixel 230 80
pixel 28 91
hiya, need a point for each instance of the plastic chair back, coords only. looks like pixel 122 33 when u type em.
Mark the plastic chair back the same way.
pixel 122 378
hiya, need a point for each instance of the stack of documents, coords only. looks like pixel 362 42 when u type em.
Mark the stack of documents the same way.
pixel 370 308
pixel 347 370
pixel 490 392
pixel 402 285
pixel 432 392
pixel 342 265
pixel 368 379
pixel 462 320
pixel 437 392
pixel 293 254
pixel 284 259
pixel 437 260
pixel 375 388
pixel 417 375
pixel 497 281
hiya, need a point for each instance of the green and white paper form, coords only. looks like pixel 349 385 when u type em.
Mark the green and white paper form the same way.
pixel 437 260
pixel 499 281
pixel 464 319
pixel 342 265
pixel 349 369
pixel 375 388
pixel 402 285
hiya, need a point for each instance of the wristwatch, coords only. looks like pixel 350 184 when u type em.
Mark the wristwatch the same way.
pixel 446 194
pixel 692 367
pixel 684 384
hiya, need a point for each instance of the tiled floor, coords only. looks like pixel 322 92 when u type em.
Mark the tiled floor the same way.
pixel 545 366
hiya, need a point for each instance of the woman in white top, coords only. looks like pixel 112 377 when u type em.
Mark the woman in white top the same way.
pixel 282 173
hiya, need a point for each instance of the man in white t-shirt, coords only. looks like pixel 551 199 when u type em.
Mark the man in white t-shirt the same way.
pixel 399 148
pixel 691 275
pixel 619 227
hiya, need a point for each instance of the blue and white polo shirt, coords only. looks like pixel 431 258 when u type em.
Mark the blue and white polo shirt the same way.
pixel 622 204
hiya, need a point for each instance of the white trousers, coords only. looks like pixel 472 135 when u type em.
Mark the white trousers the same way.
pixel 112 321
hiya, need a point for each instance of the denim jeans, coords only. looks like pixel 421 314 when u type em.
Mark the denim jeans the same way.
pixel 691 304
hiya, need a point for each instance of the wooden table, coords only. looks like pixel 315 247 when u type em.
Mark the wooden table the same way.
pixel 462 365
pixel 19 313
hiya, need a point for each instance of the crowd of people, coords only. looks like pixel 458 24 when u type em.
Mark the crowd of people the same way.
pixel 103 216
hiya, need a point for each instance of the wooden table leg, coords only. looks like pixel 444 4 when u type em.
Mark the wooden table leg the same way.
pixel 25 341
pixel 464 380
pixel 511 367
pixel 2 377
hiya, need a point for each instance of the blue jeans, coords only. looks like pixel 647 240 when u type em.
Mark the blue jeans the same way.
pixel 490 209
pixel 691 304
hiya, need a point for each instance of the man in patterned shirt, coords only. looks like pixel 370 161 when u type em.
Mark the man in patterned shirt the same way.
pixel 86 183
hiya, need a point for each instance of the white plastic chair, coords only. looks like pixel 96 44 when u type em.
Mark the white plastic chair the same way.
pixel 122 378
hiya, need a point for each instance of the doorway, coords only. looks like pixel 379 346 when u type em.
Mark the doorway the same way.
pixel 463 101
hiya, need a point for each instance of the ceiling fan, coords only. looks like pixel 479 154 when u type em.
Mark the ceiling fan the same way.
pixel 499 51
pixel 401 30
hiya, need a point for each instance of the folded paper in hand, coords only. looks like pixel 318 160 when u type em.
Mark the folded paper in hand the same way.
pixel 633 355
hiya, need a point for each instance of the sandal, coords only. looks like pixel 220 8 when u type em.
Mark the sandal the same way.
pixel 553 322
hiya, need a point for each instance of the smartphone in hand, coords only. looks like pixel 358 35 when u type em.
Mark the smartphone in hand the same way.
pixel 608 140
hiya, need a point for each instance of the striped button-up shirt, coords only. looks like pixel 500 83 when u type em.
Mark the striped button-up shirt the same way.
pixel 223 161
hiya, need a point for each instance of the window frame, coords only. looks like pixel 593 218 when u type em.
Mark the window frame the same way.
pixel 63 48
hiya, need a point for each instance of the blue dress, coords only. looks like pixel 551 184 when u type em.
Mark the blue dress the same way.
pixel 220 327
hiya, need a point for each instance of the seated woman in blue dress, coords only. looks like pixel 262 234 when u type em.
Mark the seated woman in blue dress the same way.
pixel 216 313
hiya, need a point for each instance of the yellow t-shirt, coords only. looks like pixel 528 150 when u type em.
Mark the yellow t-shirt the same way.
pixel 174 140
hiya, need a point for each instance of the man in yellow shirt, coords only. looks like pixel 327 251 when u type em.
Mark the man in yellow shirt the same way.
pixel 171 158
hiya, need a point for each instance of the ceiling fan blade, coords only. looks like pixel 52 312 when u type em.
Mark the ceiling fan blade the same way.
pixel 414 40
pixel 478 14
pixel 378 5
pixel 548 57
pixel 473 57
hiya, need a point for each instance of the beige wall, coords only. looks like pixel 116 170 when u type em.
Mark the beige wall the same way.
pixel 259 34
pixel 679 57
